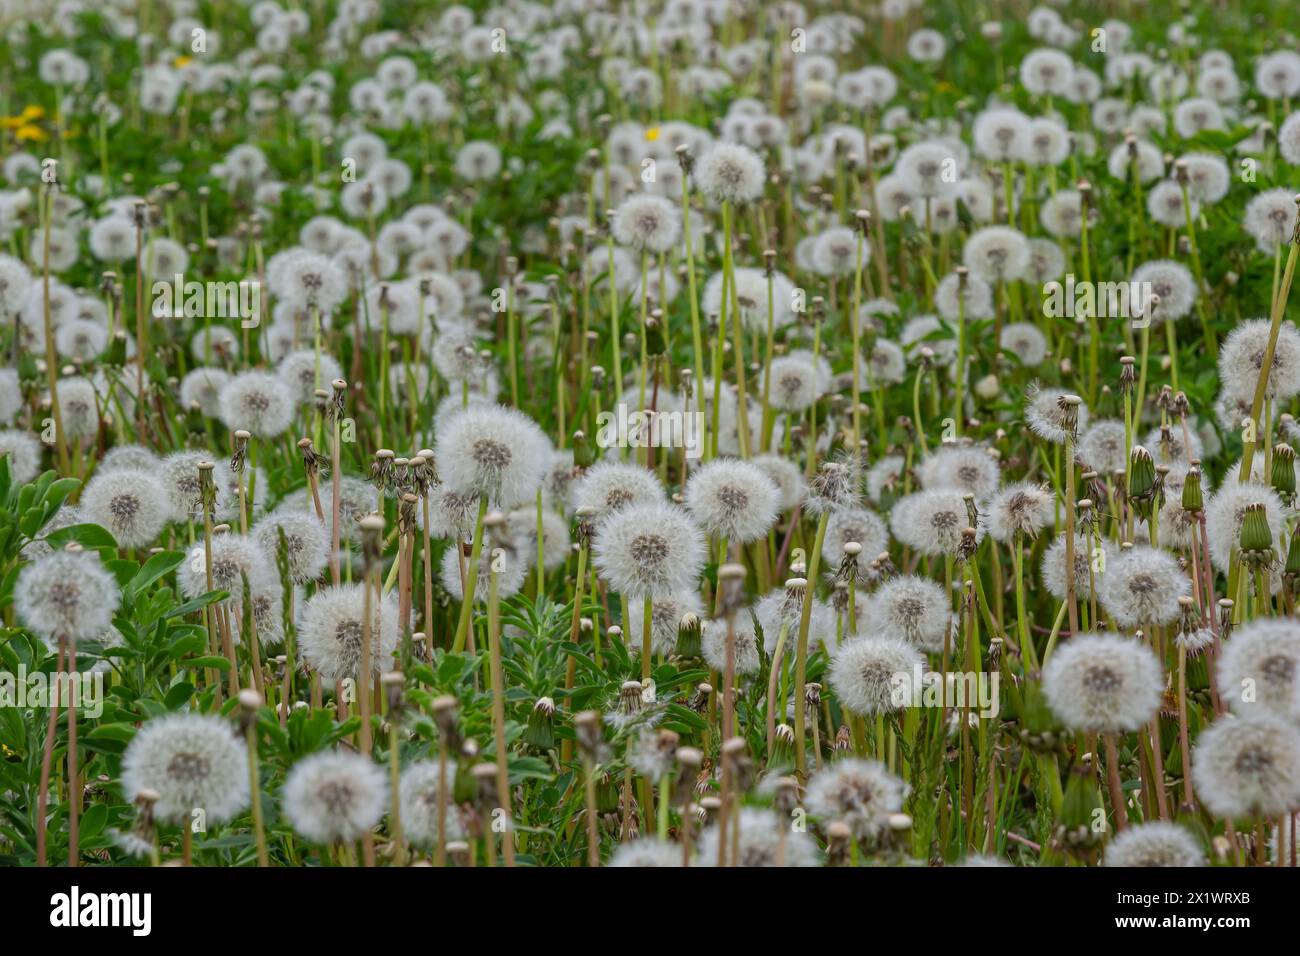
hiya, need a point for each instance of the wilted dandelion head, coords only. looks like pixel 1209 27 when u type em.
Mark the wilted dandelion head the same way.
pixel 732 500
pixel 1047 416
pixel 257 402
pixel 130 503
pixel 331 629
pixel 1155 843
pixel 961 468
pixel 766 839
pixel 335 796
pixel 1248 766
pixel 649 549
pixel 1102 682
pixel 66 594
pixel 1141 587
pixel 306 541
pixel 192 762
pixel 1258 666
pixel 873 675
pixel 609 486
pixel 860 793
pixel 730 173
pixel 493 451
pixel 932 521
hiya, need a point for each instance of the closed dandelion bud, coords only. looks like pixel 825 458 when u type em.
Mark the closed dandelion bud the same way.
pixel 629 698
pixel 689 762
pixel 1127 374
pixel 1225 617
pixel 584 455
pixel 838 840
pixel 1193 499
pixel 1283 472
pixel 1142 485
pixel 372 541
pixel 1293 556
pixel 444 718
pixel 540 732
pixel 785 795
pixel 485 780
pixel 586 727
pixel 1256 535
pixel 1076 827
pixel 782 753
pixel 1039 727
pixel 688 636
pixel 735 755
pixel 731 588
pixel 655 336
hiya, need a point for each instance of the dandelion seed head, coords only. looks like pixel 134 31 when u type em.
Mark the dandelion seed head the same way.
pixel 129 502
pixel 1102 682
pixel 335 796
pixel 190 761
pixel 1245 767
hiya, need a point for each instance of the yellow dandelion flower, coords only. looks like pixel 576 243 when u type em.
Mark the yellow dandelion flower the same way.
pixel 30 133
pixel 652 134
